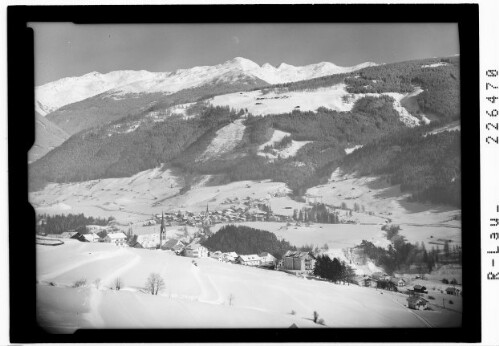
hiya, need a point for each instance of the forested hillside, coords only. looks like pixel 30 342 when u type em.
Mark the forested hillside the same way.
pixel 95 154
pixel 427 166
pixel 438 77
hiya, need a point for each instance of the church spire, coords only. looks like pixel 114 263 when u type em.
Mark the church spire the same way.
pixel 161 230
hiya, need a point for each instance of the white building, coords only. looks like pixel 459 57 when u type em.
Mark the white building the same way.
pixel 267 259
pixel 229 256
pixel 195 250
pixel 118 239
pixel 216 255
pixel 92 237
pixel 249 260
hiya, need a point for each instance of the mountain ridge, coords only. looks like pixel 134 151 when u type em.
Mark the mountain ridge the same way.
pixel 54 95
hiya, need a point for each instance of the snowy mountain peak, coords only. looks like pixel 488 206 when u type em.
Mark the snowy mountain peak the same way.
pixel 51 96
pixel 243 63
pixel 283 66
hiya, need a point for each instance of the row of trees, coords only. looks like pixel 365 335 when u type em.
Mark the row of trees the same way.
pixel 333 269
pixel 57 224
pixel 402 255
pixel 318 213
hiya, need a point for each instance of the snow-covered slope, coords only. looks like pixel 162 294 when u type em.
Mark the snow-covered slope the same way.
pixel 54 95
pixel 276 102
pixel 47 137
pixel 211 294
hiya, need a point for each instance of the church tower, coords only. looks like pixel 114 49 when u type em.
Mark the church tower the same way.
pixel 206 219
pixel 162 230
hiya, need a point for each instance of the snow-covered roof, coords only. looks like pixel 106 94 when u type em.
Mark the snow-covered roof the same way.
pixel 291 253
pixel 247 258
pixel 194 246
pixel 91 236
pixel 116 236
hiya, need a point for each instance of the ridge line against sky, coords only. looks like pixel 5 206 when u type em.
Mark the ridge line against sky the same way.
pixel 67 50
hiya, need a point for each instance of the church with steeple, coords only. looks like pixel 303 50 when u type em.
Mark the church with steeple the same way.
pixel 162 231
pixel 206 220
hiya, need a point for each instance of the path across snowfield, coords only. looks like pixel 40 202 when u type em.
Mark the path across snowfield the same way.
pixel 199 296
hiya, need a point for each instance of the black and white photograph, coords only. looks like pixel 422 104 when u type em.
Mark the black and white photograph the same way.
pixel 248 175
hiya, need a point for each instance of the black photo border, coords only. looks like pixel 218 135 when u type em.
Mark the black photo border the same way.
pixel 22 250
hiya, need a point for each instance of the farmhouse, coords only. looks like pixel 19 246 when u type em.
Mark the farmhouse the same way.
pixel 401 283
pixel 195 250
pixel 119 239
pixel 216 255
pixel 420 289
pixel 371 282
pixel 174 245
pixel 267 259
pixel 92 237
pixel 248 260
pixel 452 291
pixel 79 237
pixel 229 256
pixel 298 260
pixel 68 234
pixel 417 303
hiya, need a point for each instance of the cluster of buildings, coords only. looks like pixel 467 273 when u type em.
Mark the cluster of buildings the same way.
pixel 114 237
pixel 247 209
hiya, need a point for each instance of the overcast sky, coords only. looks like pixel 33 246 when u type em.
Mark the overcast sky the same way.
pixel 65 49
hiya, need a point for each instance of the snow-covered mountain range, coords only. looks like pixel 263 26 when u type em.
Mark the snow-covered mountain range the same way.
pixel 54 95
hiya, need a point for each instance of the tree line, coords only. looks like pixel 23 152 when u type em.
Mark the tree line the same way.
pixel 246 240
pixel 333 269
pixel 57 224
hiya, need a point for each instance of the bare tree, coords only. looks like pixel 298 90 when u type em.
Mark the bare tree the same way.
pixel 154 284
pixel 316 316
pixel 117 283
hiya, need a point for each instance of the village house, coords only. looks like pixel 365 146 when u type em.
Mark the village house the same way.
pixel 195 250
pixel 401 283
pixel 229 256
pixel 371 282
pixel 298 260
pixel 79 236
pixel 248 260
pixel 68 234
pixel 119 239
pixel 266 259
pixel 417 303
pixel 174 245
pixel 148 241
pixel 452 291
pixel 419 289
pixel 92 237
pixel 216 255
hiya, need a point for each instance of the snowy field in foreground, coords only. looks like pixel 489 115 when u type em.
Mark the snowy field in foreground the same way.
pixel 198 296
